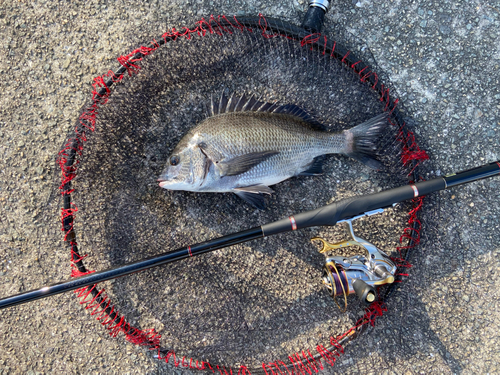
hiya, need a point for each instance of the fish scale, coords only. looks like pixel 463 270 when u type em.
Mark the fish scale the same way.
pixel 246 145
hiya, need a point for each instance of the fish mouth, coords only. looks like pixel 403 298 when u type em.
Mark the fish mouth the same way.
pixel 162 182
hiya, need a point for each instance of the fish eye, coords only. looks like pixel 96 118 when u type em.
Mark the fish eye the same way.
pixel 174 160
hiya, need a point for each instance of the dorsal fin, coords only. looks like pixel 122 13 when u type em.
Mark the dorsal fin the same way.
pixel 214 107
pixel 245 104
pixel 231 103
pixel 223 104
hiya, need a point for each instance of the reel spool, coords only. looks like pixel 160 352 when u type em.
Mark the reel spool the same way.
pixel 357 274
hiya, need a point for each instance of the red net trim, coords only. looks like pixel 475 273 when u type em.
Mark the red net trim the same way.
pixel 301 363
pixel 411 151
pixel 99 304
pixel 101 307
pixel 67 216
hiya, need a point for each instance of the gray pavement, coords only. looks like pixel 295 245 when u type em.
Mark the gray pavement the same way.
pixel 443 60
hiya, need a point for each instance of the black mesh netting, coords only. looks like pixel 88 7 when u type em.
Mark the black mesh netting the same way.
pixel 252 304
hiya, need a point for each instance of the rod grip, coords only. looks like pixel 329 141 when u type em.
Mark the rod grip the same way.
pixel 341 210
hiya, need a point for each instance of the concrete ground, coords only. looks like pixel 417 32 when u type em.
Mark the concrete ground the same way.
pixel 442 58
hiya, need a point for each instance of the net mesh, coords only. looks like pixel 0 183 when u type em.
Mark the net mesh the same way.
pixel 254 307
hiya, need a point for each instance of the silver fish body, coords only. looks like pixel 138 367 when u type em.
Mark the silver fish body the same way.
pixel 246 145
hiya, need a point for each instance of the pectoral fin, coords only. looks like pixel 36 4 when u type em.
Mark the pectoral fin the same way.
pixel 254 195
pixel 243 163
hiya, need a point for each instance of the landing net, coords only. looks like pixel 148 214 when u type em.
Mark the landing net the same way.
pixel 258 307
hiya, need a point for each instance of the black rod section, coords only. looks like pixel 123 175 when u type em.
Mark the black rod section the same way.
pixel 470 175
pixel 326 215
pixel 127 269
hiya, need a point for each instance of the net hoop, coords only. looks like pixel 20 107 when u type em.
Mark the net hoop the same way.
pixel 98 303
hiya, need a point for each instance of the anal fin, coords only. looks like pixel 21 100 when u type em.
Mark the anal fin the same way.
pixel 254 195
pixel 315 168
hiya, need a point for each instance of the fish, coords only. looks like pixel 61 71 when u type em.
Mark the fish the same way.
pixel 246 145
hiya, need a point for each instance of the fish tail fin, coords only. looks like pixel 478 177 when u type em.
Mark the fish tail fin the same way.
pixel 363 141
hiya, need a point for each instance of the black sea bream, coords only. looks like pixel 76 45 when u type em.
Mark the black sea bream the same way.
pixel 245 146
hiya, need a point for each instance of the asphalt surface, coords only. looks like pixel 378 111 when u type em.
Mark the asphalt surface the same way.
pixel 443 60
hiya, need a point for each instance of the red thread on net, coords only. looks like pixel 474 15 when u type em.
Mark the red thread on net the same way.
pixel 198 367
pixel 412 233
pixel 394 106
pixel 244 371
pixel 111 75
pixel 411 151
pixel 276 365
pixel 128 62
pixel 155 44
pixel 312 363
pixel 217 27
pixel 401 262
pixel 384 96
pixel 333 49
pixel 68 171
pixel 327 355
pixel 263 27
pixel 353 65
pixel 374 311
pixel 142 337
pixel 75 256
pixel 88 119
pixel 368 75
pixel 167 358
pixel 67 225
pixel 240 26
pixel 212 29
pixel 76 273
pixel 209 366
pixel 191 363
pixel 182 362
pixel 310 39
pixel 298 366
pixel 204 364
pixel 99 306
pixel 335 344
pixel 305 362
pixel 99 84
pixel 345 57
pixel 222 28
pixel 212 26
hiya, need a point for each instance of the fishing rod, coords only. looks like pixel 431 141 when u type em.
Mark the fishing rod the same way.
pixel 342 276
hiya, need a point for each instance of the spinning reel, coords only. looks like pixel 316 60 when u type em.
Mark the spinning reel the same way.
pixel 357 274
